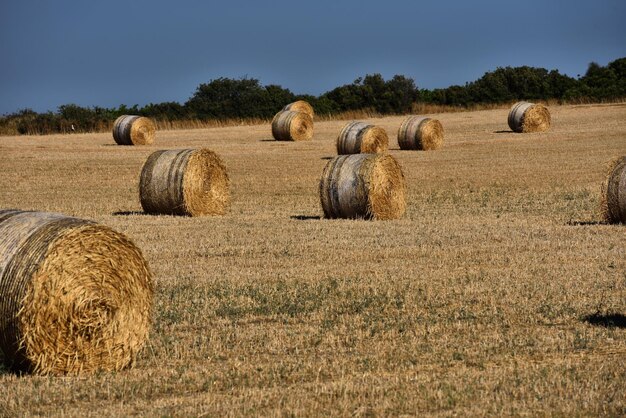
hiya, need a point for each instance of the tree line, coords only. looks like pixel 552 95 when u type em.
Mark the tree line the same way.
pixel 247 98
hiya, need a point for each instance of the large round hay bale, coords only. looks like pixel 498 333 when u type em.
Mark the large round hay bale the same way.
pixel 367 186
pixel 75 296
pixel 613 202
pixel 133 130
pixel 360 137
pixel 420 133
pixel 288 125
pixel 301 106
pixel 191 182
pixel 529 117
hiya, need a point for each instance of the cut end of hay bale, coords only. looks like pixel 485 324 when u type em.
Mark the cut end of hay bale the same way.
pixel 301 106
pixel 387 189
pixel 206 186
pixel 369 186
pixel 359 137
pixel 288 125
pixel 134 130
pixel 613 196
pixel 185 182
pixel 77 295
pixel 526 117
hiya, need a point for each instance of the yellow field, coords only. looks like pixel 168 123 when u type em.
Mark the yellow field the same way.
pixel 499 292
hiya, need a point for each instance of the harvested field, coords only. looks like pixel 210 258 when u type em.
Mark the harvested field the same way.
pixel 499 292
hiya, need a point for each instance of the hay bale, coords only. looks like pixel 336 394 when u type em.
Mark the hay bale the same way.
pixel 292 126
pixel 613 202
pixel 301 106
pixel 133 130
pixel 75 296
pixel 529 117
pixel 184 182
pixel 420 133
pixel 367 186
pixel 359 137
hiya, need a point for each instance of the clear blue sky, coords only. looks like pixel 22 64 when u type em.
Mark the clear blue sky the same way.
pixel 108 53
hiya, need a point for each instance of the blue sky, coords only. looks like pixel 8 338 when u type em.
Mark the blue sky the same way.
pixel 136 52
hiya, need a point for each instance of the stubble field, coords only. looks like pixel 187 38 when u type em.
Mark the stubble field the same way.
pixel 499 292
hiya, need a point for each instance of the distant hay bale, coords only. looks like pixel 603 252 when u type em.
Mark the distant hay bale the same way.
pixel 420 133
pixel 529 117
pixel 359 137
pixel 288 125
pixel 133 130
pixel 184 182
pixel 75 296
pixel 613 202
pixel 367 186
pixel 301 106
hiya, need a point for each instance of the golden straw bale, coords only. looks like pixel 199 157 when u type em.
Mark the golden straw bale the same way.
pixel 292 126
pixel 184 182
pixel 75 296
pixel 529 117
pixel 301 106
pixel 367 186
pixel 360 137
pixel 133 130
pixel 613 201
pixel 420 133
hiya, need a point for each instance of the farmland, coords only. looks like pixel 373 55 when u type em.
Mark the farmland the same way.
pixel 499 292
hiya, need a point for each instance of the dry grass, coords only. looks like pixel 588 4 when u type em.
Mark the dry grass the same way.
pixel 498 292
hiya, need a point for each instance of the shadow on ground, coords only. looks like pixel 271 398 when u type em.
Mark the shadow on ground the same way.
pixel 606 320
pixel 267 140
pixel 306 217
pixel 131 213
pixel 503 132
pixel 584 223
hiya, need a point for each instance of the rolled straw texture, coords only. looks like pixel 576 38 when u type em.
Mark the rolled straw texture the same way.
pixel 529 117
pixel 301 106
pixel 189 182
pixel 292 126
pixel 133 130
pixel 75 296
pixel 360 137
pixel 613 203
pixel 369 186
pixel 420 133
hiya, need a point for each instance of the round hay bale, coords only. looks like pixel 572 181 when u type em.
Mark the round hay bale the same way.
pixel 359 137
pixel 529 117
pixel 133 130
pixel 301 106
pixel 367 186
pixel 75 296
pixel 613 202
pixel 288 125
pixel 420 133
pixel 184 182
